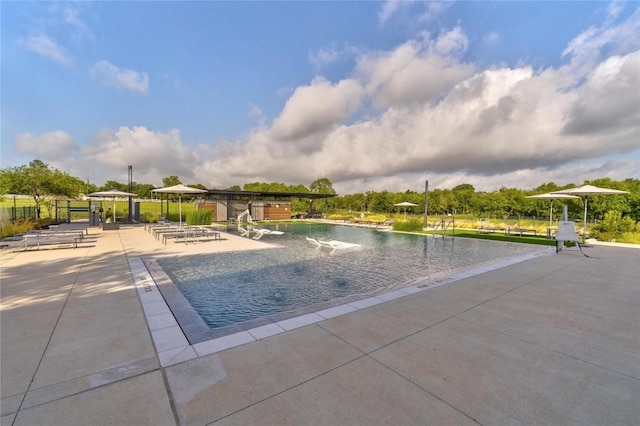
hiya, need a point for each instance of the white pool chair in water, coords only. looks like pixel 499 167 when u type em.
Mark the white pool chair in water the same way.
pixel 261 231
pixel 333 244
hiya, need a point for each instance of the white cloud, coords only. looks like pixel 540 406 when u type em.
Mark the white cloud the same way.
pixel 71 17
pixel 491 39
pixel 44 46
pixel 439 118
pixel 417 71
pixel 434 9
pixel 389 8
pixel 316 108
pixel 153 154
pixel 331 54
pixel 110 75
pixel 255 111
pixel 421 11
pixel 47 146
pixel 434 117
pixel 609 100
pixel 322 57
pixel 610 38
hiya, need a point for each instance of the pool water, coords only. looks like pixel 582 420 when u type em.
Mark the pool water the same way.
pixel 235 287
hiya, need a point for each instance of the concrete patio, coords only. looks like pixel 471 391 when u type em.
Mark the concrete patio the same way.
pixel 552 340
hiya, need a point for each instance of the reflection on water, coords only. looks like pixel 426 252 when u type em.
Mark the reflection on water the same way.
pixel 229 288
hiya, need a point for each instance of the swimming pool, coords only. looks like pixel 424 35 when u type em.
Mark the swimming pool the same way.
pixel 240 290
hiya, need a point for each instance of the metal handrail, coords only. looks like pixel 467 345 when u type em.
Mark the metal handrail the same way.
pixel 444 226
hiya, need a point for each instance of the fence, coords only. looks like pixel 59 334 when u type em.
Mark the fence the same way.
pixel 8 214
pixel 61 211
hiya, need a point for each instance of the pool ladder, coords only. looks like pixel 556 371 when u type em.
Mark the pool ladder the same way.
pixel 443 226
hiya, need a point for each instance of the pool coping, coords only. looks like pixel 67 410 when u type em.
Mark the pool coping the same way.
pixel 173 346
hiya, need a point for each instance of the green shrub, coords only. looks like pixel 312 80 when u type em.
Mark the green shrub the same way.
pixel 201 217
pixel 613 226
pixel 22 226
pixel 375 218
pixel 410 225
pixel 339 217
pixel 148 217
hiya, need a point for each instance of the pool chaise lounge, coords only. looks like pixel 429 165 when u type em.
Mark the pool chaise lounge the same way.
pixel 334 244
pixel 39 238
pixel 262 231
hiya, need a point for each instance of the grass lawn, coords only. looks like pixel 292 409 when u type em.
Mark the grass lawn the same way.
pixel 541 240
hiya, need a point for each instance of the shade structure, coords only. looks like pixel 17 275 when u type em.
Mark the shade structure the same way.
pixel 551 196
pixel 585 191
pixel 112 193
pixel 405 204
pixel 179 189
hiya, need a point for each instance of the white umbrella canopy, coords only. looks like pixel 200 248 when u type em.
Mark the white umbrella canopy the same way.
pixel 551 196
pixel 112 193
pixel 405 204
pixel 585 191
pixel 179 189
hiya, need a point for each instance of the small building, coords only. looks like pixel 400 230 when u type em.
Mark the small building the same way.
pixel 228 204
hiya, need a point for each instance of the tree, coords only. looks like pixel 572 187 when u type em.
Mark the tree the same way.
pixel 42 183
pixel 142 189
pixel 171 180
pixel 380 202
pixel 322 186
pixel 464 195
pixel 112 184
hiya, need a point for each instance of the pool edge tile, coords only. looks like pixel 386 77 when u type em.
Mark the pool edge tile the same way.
pixel 366 303
pixel 176 355
pixel 392 295
pixel 301 321
pixel 336 311
pixel 169 338
pixel 222 343
pixel 265 331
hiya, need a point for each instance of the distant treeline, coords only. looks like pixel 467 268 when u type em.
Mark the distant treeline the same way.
pixel 464 199
pixel 42 183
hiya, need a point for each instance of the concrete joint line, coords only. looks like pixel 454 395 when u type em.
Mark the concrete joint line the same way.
pixel 66 300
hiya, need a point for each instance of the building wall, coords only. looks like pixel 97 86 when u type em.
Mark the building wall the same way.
pixel 260 210
pixel 277 211
pixel 208 205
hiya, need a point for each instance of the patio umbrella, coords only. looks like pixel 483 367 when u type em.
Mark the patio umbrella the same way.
pixel 405 204
pixel 585 191
pixel 551 196
pixel 112 193
pixel 179 189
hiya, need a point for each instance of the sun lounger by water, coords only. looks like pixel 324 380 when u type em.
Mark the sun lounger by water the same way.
pixel 58 232
pixel 261 231
pixel 333 244
pixel 253 227
pixel 40 239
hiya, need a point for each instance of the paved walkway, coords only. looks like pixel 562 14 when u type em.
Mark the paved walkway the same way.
pixel 553 340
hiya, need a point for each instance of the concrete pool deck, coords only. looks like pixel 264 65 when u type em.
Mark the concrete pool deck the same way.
pixel 552 340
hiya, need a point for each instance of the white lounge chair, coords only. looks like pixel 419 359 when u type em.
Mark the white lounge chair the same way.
pixel 333 244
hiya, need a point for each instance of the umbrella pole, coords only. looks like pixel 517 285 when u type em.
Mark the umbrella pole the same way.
pixel 180 208
pixel 550 216
pixel 584 224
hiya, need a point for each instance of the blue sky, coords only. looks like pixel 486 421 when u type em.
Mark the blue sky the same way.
pixel 372 95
